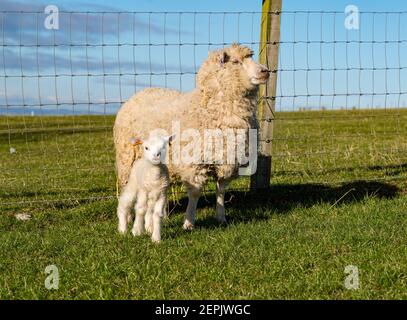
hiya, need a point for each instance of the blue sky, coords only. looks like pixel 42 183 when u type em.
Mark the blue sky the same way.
pixel 236 5
pixel 106 75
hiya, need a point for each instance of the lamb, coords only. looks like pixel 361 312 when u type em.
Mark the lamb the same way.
pixel 225 98
pixel 148 182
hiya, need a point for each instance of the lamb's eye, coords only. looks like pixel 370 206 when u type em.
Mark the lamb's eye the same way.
pixel 146 148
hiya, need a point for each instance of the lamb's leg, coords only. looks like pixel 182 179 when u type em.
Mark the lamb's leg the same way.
pixel 126 202
pixel 220 200
pixel 158 214
pixel 124 162
pixel 148 224
pixel 141 208
pixel 193 197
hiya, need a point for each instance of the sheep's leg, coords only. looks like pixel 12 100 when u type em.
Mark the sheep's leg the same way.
pixel 220 200
pixel 124 162
pixel 158 214
pixel 193 197
pixel 126 202
pixel 141 208
pixel 166 215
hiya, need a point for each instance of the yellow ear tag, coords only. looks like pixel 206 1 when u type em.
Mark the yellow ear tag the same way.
pixel 136 141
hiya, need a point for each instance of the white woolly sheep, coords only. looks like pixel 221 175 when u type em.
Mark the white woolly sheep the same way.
pixel 148 183
pixel 225 98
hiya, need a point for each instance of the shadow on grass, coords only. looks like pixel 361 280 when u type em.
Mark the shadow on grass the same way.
pixel 282 198
pixel 388 169
pixel 242 206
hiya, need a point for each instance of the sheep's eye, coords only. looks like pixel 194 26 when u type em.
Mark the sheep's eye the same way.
pixel 146 148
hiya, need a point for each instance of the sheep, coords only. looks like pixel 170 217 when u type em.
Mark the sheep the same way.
pixel 148 182
pixel 225 98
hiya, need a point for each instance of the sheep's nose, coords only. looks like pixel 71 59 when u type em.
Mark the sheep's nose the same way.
pixel 264 73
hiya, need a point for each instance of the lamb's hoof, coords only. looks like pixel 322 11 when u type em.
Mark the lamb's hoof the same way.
pixel 188 225
pixel 137 232
pixel 122 230
pixel 149 229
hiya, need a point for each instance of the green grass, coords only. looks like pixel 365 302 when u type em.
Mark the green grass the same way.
pixel 338 198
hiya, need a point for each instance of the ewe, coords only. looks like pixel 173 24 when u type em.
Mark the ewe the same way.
pixel 225 98
pixel 148 182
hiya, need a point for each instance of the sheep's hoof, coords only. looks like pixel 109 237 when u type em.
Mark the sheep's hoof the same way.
pixel 188 225
pixel 222 221
pixel 156 239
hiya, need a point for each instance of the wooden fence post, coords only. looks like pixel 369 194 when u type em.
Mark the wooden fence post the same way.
pixel 268 55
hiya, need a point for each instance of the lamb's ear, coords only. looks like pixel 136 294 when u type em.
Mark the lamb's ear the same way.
pixel 136 141
pixel 170 138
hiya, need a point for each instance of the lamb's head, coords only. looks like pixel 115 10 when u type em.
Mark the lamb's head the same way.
pixel 154 148
pixel 230 66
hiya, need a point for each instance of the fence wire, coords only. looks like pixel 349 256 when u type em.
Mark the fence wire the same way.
pixel 340 104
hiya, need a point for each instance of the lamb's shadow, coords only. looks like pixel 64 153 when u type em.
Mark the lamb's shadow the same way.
pixel 282 198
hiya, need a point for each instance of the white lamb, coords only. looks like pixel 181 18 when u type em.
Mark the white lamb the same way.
pixel 148 183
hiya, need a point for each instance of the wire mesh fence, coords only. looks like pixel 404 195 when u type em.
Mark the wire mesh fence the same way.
pixel 345 89
pixel 340 103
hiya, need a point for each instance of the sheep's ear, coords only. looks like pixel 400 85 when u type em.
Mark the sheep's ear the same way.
pixel 170 138
pixel 222 58
pixel 136 141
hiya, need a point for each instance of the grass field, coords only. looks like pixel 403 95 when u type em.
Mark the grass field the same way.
pixel 338 198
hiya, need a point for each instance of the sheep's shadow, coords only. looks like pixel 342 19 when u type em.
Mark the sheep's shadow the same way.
pixel 282 198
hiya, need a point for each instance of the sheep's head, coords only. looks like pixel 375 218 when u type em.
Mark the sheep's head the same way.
pixel 154 148
pixel 232 65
